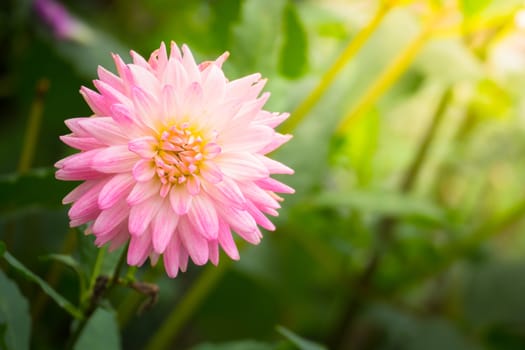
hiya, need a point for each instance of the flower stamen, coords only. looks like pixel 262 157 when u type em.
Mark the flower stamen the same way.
pixel 179 155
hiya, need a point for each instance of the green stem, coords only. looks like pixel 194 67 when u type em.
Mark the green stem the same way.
pixel 131 301
pixel 96 292
pixel 414 169
pixel 33 127
pixel 96 270
pixel 185 308
pixel 388 77
pixel 118 268
pixel 326 80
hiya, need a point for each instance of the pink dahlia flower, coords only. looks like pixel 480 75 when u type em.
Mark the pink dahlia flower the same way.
pixel 173 160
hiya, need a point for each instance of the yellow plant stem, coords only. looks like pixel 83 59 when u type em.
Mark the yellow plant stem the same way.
pixel 33 127
pixel 389 76
pixel 326 80
pixel 182 312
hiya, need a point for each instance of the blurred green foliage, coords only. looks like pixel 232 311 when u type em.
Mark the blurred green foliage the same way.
pixel 406 230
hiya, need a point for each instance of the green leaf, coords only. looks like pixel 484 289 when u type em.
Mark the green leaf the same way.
pixel 359 146
pixel 293 57
pixel 37 188
pixel 473 7
pixel 67 260
pixel 70 262
pixel 236 345
pixel 256 37
pixel 59 299
pixel 301 343
pixel 101 332
pixel 385 203
pixel 491 99
pixel 15 323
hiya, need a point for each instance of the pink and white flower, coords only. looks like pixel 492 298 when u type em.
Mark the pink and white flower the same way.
pixel 174 159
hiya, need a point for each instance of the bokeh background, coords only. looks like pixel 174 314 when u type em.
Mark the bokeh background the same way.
pixel 406 228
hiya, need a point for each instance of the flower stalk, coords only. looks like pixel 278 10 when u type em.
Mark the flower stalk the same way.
pixel 331 74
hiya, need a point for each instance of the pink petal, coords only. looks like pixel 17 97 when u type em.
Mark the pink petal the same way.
pixel 259 217
pixel 114 234
pixel 145 79
pixel 175 75
pixel 74 125
pixel 211 172
pixel 110 78
pixel 241 166
pixel 241 86
pixel 122 69
pixel 252 139
pixel 193 100
pixel 193 185
pixel 139 248
pixel 271 119
pixel 87 205
pixel 140 215
pixel 180 200
pixel 154 258
pixel 175 52
pixel 183 258
pixel 189 64
pixel 213 248
pixel 143 191
pixel 213 84
pixel 77 160
pixel 259 196
pixel 110 218
pixel 203 217
pixel 105 130
pixel 144 170
pixel 114 159
pixel 253 237
pixel 114 190
pixel 239 220
pixel 273 185
pixel 146 107
pixel 110 93
pixel 195 244
pixel 81 143
pixel 145 147
pixel 97 103
pixel 227 192
pixel 170 103
pixel 158 59
pixel 79 191
pixel 163 227
pixel 172 256
pixel 275 167
pixel 78 167
pixel 277 141
pixel 119 239
pixel 226 241
pixel 122 115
